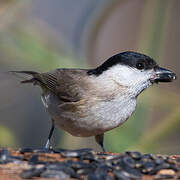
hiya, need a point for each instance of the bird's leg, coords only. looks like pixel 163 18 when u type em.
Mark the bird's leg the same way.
pixel 100 140
pixel 50 135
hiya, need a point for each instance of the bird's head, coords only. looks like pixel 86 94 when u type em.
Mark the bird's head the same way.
pixel 132 70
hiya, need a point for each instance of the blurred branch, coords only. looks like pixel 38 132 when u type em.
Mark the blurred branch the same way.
pixel 33 50
pixel 97 21
pixel 153 23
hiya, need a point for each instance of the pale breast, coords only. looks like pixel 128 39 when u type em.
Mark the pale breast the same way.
pixel 108 115
pixel 89 119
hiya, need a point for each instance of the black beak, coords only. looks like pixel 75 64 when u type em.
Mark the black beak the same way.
pixel 164 75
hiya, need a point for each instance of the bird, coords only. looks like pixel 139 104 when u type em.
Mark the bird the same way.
pixel 90 102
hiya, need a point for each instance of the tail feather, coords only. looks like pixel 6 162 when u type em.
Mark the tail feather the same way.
pixel 45 80
pixel 25 72
pixel 31 79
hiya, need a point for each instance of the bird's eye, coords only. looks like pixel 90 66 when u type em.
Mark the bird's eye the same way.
pixel 140 65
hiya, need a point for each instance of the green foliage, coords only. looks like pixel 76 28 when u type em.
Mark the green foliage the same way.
pixel 7 137
pixel 151 141
pixel 25 48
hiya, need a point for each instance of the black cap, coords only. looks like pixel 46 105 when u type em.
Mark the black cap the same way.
pixel 128 58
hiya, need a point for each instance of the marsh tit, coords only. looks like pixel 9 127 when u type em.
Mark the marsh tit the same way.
pixel 89 102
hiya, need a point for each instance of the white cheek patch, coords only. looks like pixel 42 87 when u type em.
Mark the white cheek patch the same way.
pixel 132 78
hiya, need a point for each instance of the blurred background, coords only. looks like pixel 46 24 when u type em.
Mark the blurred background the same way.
pixel 42 35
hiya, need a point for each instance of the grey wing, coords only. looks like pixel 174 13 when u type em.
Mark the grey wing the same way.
pixel 65 83
pixel 69 87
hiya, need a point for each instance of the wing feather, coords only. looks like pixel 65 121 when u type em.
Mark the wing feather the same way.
pixel 65 83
